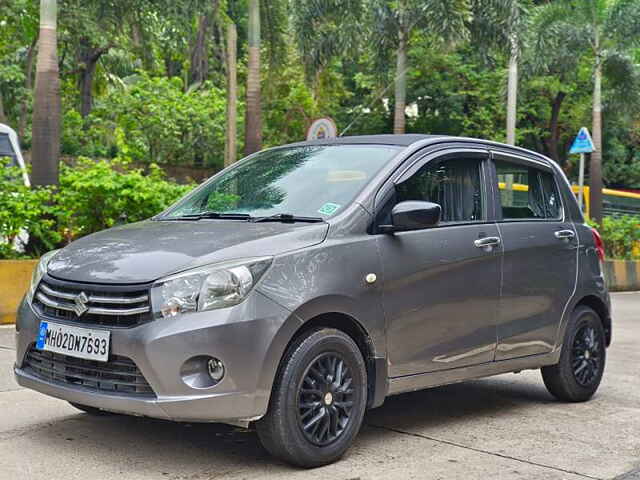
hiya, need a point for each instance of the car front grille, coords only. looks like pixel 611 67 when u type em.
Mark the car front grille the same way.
pixel 119 375
pixel 90 304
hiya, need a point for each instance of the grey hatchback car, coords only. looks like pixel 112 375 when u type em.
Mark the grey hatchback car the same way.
pixel 306 283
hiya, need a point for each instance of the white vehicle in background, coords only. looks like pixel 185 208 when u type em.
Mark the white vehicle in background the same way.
pixel 9 147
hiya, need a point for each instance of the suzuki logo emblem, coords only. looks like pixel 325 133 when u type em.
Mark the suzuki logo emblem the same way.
pixel 80 304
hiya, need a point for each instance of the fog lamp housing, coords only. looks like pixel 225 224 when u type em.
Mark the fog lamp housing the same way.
pixel 202 371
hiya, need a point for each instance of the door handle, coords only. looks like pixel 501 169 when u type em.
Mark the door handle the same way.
pixel 487 243
pixel 564 234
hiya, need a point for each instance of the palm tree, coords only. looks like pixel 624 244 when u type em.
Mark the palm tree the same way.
pixel 253 121
pixel 46 107
pixel 500 25
pixel 609 29
pixel 393 23
pixel 551 53
pixel 325 30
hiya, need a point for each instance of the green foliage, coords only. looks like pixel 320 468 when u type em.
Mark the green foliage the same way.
pixel 92 196
pixel 23 209
pixel 97 195
pixel 621 237
pixel 152 120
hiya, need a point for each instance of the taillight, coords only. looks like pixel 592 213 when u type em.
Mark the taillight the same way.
pixel 599 243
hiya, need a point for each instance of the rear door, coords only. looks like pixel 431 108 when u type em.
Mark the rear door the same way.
pixel 539 260
pixel 441 285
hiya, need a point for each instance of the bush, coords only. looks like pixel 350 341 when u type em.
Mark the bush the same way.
pixel 23 209
pixel 97 195
pixel 91 196
pixel 151 120
pixel 621 237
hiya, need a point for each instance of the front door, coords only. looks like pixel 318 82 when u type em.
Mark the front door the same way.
pixel 539 266
pixel 441 285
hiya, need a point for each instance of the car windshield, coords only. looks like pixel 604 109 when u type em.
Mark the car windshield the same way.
pixel 305 181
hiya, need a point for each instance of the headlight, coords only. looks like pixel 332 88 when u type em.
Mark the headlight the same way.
pixel 38 273
pixel 207 288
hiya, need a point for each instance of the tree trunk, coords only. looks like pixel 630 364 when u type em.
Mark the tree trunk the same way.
pixel 46 108
pixel 554 131
pixel 595 166
pixel 28 85
pixel 138 37
pixel 232 95
pixel 199 66
pixel 400 86
pixel 253 120
pixel 173 67
pixel 88 57
pixel 512 92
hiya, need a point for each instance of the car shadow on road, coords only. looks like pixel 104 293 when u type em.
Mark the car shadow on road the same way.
pixel 451 405
pixel 144 443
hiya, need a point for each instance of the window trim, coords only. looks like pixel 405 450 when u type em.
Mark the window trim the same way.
pixel 529 163
pixel 412 165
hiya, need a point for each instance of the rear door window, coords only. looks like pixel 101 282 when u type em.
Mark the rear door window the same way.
pixel 527 193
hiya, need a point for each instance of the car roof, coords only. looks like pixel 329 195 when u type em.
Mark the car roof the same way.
pixel 404 140
pixel 6 129
pixel 416 139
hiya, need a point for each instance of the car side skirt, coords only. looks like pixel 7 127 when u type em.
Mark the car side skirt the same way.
pixel 421 381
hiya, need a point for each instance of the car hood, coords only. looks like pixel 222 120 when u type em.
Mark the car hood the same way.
pixel 145 251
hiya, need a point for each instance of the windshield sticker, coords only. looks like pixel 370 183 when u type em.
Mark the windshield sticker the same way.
pixel 329 208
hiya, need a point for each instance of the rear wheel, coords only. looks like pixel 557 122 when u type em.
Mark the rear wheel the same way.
pixel 576 377
pixel 92 410
pixel 318 400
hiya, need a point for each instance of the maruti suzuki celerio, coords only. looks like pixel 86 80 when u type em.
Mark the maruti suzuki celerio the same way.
pixel 306 283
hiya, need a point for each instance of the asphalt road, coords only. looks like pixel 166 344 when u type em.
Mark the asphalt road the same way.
pixel 506 427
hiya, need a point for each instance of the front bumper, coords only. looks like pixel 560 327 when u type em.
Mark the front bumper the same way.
pixel 249 338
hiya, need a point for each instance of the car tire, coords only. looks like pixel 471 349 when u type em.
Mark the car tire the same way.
pixel 96 412
pixel 318 400
pixel 576 377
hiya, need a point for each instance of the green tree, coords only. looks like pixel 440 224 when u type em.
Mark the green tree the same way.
pixel 501 25
pixel 325 31
pixel 608 29
pixel 393 23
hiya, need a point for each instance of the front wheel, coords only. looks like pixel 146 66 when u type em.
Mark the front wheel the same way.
pixel 576 377
pixel 318 400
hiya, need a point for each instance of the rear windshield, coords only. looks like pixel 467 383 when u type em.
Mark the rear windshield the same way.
pixel 311 181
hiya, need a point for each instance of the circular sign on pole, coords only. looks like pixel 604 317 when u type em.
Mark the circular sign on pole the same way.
pixel 322 128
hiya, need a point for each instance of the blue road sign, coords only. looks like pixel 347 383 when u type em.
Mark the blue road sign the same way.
pixel 583 142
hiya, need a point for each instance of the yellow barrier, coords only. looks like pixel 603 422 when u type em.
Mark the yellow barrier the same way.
pixel 518 187
pixel 15 276
pixel 622 275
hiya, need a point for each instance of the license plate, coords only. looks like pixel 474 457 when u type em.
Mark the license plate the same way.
pixel 74 341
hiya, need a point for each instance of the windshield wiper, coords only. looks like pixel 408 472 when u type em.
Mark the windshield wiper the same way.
pixel 215 215
pixel 287 218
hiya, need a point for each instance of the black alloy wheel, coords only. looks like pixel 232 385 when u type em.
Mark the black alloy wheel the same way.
pixel 325 399
pixel 587 357
pixel 577 375
pixel 318 399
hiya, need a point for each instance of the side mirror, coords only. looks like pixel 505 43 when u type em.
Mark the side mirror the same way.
pixel 413 215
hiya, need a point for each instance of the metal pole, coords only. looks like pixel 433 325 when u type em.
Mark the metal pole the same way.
pixel 581 182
